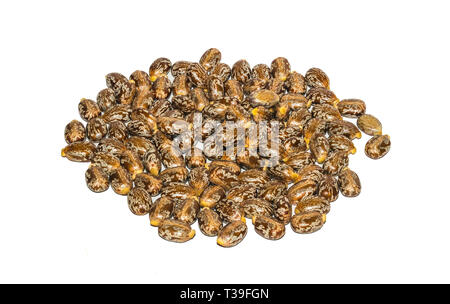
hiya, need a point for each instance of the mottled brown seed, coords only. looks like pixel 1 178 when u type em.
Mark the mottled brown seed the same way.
pixel 255 177
pixel 124 89
pixel 111 146
pixel 269 228
pixel 316 78
pixel 351 108
pixel 152 162
pixel 186 211
pixel 342 127
pixel 107 162
pixel 180 67
pixel 349 183
pixel 211 196
pixel 319 147
pixel 139 201
pixel 296 83
pixel 313 172
pixel 140 128
pixel 148 182
pixel 118 112
pixel 256 206
pixel 341 143
pixel 307 223
pixel 176 174
pixel 195 158
pixel 161 210
pixel 241 71
pixel 299 160
pixel 160 107
pixel 199 98
pixel 322 96
pixel 272 190
pixel 144 115
pixel 178 191
pixel 282 209
pixel 121 181
pixel 74 132
pixel 326 112
pixel 106 99
pixel 284 172
pixel 216 111
pixel 118 130
pixel 314 125
pixel 139 145
pixel 197 75
pixel 222 70
pixel 88 109
pixel 313 204
pixel 265 98
pixel 185 104
pixel 229 211
pixel 233 89
pixel 96 129
pixel 210 59
pixel 199 179
pixel 141 79
pixel 254 85
pixel 280 68
pixel 369 124
pixel 171 157
pixel 209 222
pixel 328 188
pixel 232 234
pixel 301 190
pixel 181 85
pixel 159 67
pixel 223 176
pixel 79 151
pixel 132 163
pixel 378 146
pixel 96 179
pixel 161 87
pixel 295 101
pixel 298 118
pixel 175 231
pixel 262 72
pixel 335 162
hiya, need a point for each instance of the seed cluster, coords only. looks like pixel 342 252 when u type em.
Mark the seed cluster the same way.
pixel 140 139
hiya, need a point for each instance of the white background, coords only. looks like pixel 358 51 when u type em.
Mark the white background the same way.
pixel 392 54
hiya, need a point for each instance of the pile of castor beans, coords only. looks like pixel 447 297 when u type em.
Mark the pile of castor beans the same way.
pixel 140 139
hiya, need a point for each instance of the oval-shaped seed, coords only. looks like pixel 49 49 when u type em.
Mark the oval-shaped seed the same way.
pixel 161 87
pixel 96 129
pixel 349 183
pixel 175 231
pixel 141 79
pixel 124 89
pixel 321 96
pixel 233 89
pixel 210 59
pixel 295 101
pixel 241 71
pixel 351 108
pixel 186 211
pixel 234 167
pixel 314 125
pixel 265 98
pixel 261 71
pixel 106 161
pixel 159 67
pixel 280 68
pixel 178 191
pixel 161 210
pixel 282 209
pixel 111 146
pixel 378 146
pixel 312 172
pixel 307 223
pixel 139 201
pixel 197 75
pixel 139 145
pixel 319 147
pixel 255 177
pixel 144 115
pixel 106 99
pixel 256 206
pixel 180 67
pixel 199 98
pixel 296 83
pixel 211 196
pixel 232 234
pixel 272 190
pixel 148 182
pixel 79 151
pixel 223 176
pixel 299 160
pixel 199 179
pixel 74 132
pixel 118 112
pixel 335 162
pixel 171 157
pixel 298 118
pixel 121 181
pixel 229 211
pixel 96 179
pixel 152 162
pixel 369 124
pixel 342 127
pixel 159 107
pixel 132 163
pixel 284 172
pixel 222 70
pixel 326 112
pixel 269 228
pixel 180 86
pixel 316 78
pixel 240 193
pixel 301 190
pixel 140 128
pixel 118 130
pixel 88 109
pixel 209 222
pixel 175 174
pixel 195 158
pixel 341 143
pixel 313 204
pixel 328 188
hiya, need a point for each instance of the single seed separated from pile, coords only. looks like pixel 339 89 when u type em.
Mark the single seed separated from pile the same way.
pixel 143 135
